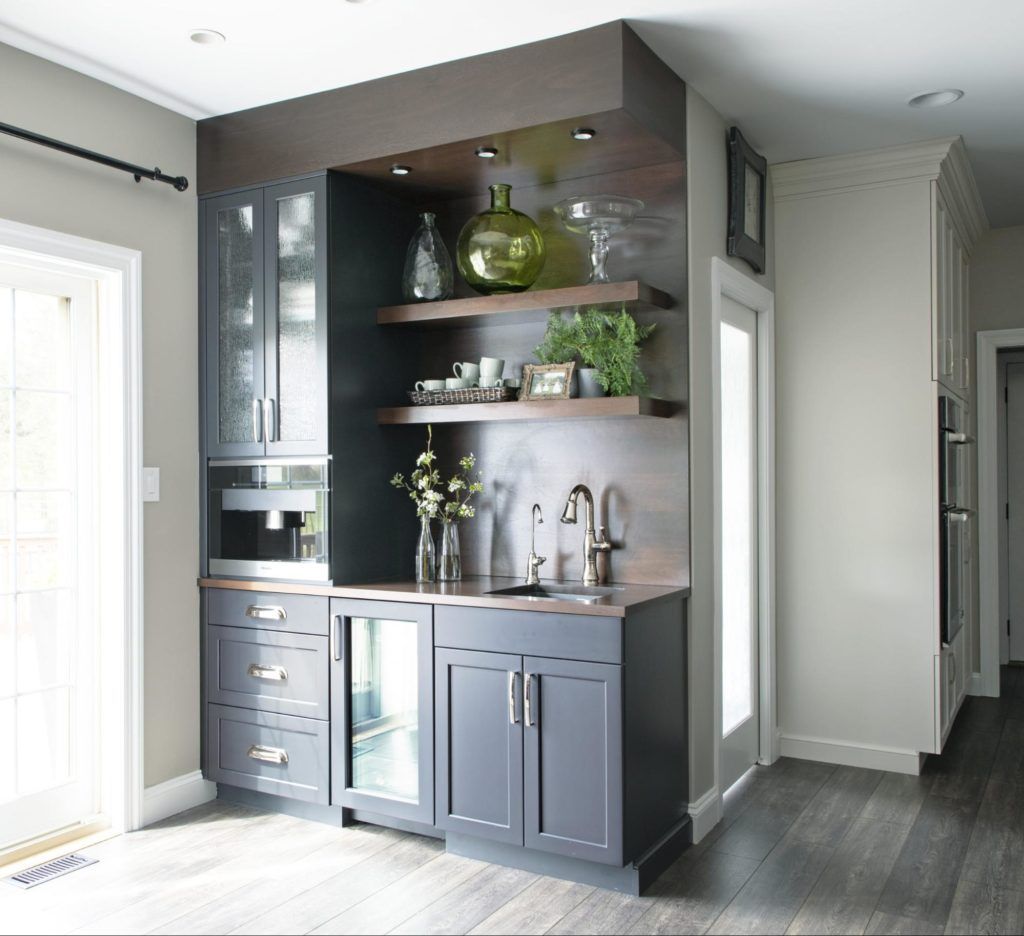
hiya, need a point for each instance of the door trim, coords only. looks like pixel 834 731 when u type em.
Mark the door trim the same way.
pixel 727 281
pixel 118 272
pixel 986 682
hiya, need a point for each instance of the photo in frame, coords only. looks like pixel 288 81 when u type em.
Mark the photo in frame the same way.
pixel 547 381
pixel 747 176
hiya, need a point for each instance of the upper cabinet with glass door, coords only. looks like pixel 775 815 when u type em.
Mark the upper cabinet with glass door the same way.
pixel 265 292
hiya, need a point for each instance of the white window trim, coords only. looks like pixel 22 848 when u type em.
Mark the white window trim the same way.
pixel 118 271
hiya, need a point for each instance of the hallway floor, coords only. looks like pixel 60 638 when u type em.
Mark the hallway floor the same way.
pixel 804 848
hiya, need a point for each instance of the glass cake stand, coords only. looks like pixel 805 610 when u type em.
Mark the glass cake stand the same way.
pixel 600 216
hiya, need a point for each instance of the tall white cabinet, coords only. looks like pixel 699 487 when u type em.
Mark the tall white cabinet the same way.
pixel 872 263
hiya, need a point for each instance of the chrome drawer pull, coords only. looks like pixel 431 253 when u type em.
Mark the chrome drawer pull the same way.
pixel 263 671
pixel 269 755
pixel 528 702
pixel 266 612
pixel 513 717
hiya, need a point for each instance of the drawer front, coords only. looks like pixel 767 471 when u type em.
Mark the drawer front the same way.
pixel 529 633
pixel 267 670
pixel 297 614
pixel 277 754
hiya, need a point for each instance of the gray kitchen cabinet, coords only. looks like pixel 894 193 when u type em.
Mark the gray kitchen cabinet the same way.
pixel 264 276
pixel 479 744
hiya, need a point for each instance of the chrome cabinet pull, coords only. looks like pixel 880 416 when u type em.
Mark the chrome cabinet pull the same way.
pixel 947 369
pixel 266 612
pixel 960 438
pixel 528 706
pixel 257 409
pixel 269 420
pixel 335 635
pixel 513 716
pixel 264 671
pixel 960 516
pixel 269 755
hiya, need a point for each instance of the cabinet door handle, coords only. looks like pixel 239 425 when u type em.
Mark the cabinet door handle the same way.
pixel 269 755
pixel 266 612
pixel 257 409
pixel 264 671
pixel 269 420
pixel 966 382
pixel 960 438
pixel 528 705
pixel 513 716
pixel 947 354
pixel 335 635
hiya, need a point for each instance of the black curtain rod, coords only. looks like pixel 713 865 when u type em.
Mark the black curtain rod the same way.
pixel 140 173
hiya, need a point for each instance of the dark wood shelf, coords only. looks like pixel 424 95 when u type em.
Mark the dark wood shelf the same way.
pixel 521 411
pixel 524 307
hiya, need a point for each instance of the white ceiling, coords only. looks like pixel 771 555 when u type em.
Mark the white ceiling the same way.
pixel 800 77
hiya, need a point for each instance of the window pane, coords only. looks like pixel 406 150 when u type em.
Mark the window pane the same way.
pixel 45 540
pixel 8 779
pixel 6 533
pixel 8 685
pixel 42 340
pixel 44 442
pixel 45 640
pixel 6 476
pixel 738 465
pixel 6 336
pixel 44 740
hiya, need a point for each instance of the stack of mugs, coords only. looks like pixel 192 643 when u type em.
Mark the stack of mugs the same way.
pixel 467 375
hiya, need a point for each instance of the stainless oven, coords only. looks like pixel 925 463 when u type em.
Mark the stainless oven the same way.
pixel 269 518
pixel 954 517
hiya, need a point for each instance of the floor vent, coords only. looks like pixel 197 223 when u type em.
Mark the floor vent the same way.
pixel 40 874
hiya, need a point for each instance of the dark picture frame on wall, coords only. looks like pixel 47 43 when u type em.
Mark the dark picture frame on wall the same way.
pixel 748 171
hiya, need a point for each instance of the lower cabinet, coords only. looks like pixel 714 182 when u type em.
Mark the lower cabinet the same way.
pixel 529 752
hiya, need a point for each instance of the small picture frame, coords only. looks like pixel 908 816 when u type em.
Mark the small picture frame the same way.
pixel 747 174
pixel 547 381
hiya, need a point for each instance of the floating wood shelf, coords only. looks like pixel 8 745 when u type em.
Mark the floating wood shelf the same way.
pixel 591 408
pixel 519 308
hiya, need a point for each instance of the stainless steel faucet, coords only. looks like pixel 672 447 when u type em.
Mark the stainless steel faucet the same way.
pixel 535 561
pixel 592 545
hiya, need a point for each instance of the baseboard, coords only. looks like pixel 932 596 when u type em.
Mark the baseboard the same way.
pixel 851 755
pixel 175 796
pixel 705 813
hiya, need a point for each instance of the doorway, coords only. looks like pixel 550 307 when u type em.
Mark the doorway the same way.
pixel 742 377
pixel 1011 485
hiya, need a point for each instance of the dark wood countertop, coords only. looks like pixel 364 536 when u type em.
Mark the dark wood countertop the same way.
pixel 472 591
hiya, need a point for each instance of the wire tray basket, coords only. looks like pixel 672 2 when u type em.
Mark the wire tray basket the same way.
pixel 468 395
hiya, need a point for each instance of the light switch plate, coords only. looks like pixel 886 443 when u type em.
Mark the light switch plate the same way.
pixel 151 484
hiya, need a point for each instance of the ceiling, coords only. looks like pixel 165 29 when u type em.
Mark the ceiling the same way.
pixel 801 77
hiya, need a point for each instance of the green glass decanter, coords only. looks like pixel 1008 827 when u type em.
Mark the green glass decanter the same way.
pixel 500 250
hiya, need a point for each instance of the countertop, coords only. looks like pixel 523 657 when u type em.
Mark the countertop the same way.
pixel 471 591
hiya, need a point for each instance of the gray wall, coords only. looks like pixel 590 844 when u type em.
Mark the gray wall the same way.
pixel 708 197
pixel 58 192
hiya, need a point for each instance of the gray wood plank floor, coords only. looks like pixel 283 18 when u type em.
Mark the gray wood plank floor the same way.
pixel 803 848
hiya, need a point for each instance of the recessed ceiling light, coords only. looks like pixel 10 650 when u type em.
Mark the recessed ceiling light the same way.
pixel 400 170
pixel 206 37
pixel 936 98
pixel 486 152
pixel 583 133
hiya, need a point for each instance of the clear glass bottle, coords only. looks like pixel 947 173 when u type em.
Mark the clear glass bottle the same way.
pixel 426 569
pixel 428 274
pixel 449 566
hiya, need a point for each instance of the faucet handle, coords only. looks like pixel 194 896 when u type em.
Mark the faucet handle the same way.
pixel 602 544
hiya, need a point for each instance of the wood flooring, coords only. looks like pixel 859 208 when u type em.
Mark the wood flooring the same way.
pixel 804 848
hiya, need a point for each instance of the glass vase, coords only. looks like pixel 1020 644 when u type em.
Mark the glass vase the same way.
pixel 449 566
pixel 426 568
pixel 428 274
pixel 500 250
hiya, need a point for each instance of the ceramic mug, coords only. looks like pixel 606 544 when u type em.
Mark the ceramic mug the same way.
pixel 491 368
pixel 429 385
pixel 491 383
pixel 457 383
pixel 466 371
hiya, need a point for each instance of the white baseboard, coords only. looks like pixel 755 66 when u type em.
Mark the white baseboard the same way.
pixel 175 796
pixel 705 813
pixel 852 755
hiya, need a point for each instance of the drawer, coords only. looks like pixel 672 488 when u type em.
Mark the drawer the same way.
pixel 297 614
pixel 284 673
pixel 529 633
pixel 277 754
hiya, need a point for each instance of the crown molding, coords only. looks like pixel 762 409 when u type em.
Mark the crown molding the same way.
pixel 961 193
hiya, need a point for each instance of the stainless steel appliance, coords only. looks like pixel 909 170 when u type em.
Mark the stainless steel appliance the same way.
pixel 269 518
pixel 953 516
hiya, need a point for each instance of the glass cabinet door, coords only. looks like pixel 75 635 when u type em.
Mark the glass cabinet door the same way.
pixel 382 717
pixel 233 270
pixel 296 289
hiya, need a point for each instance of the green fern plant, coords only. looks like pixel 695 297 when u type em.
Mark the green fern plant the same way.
pixel 560 344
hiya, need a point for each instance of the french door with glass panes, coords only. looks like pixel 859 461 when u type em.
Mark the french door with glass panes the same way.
pixel 48 656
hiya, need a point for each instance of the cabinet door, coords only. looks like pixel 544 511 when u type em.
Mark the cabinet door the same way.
pixel 233 298
pixel 572 758
pixel 479 731
pixel 963 323
pixel 296 317
pixel 382 708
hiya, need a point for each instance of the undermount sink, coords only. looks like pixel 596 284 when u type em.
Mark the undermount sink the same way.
pixel 585 594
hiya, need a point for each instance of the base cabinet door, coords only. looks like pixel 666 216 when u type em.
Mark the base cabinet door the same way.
pixel 479 738
pixel 572 761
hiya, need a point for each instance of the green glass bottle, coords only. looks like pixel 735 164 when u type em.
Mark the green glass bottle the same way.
pixel 500 250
